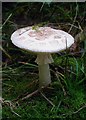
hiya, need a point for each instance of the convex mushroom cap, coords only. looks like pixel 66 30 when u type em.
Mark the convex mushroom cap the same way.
pixel 43 39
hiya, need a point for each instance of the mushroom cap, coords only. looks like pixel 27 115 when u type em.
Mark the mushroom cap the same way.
pixel 42 39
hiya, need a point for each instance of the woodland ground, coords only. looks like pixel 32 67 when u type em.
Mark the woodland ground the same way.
pixel 20 73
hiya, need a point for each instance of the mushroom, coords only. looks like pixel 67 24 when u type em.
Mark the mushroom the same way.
pixel 43 41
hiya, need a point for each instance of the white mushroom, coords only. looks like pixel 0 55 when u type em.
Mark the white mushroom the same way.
pixel 43 41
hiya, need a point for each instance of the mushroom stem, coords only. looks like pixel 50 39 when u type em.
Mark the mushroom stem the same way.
pixel 43 60
pixel 44 75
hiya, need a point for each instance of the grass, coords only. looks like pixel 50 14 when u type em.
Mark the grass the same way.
pixel 20 73
pixel 19 81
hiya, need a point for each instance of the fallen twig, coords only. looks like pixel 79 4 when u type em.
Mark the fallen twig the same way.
pixel 47 99
pixel 75 112
pixel 35 92
pixel 10 104
pixel 6 20
pixel 64 91
pixel 31 94
pixel 84 106
pixel 74 19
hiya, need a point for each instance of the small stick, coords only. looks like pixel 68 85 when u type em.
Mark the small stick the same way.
pixel 64 91
pixel 75 112
pixel 74 18
pixel 47 99
pixel 84 106
pixel 31 94
pixel 9 103
pixel 6 20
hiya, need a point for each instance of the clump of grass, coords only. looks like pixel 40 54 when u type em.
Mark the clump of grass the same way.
pixel 65 106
